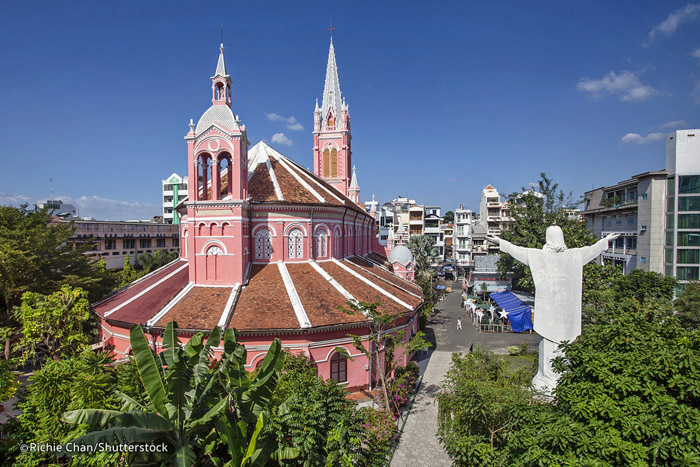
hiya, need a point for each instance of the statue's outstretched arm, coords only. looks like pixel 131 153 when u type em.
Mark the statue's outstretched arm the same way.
pixel 517 252
pixel 589 253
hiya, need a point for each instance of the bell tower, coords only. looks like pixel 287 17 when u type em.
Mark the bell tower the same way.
pixel 332 154
pixel 214 237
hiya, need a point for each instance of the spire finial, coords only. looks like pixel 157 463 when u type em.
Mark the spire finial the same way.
pixel 222 37
pixel 331 29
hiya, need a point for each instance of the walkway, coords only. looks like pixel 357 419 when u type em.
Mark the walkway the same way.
pixel 419 444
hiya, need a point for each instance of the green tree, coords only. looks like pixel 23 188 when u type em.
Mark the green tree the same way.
pixel 81 381
pixel 483 400
pixel 128 274
pixel 687 306
pixel 381 337
pixel 202 411
pixel 628 395
pixel 151 262
pixel 37 255
pixel 532 214
pixel 307 410
pixel 449 217
pixel 424 252
pixel 54 323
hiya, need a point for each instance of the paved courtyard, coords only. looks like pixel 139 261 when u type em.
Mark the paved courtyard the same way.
pixel 419 444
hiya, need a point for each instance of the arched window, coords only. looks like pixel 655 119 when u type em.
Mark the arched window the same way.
pixel 336 243
pixel 339 368
pixel 331 121
pixel 296 245
pixel 204 176
pixel 224 175
pixel 326 163
pixel 334 162
pixel 215 250
pixel 263 244
pixel 259 363
pixel 321 244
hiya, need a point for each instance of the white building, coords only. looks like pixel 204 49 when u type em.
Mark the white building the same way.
pixel 58 208
pixel 462 237
pixel 432 227
pixel 682 233
pixel 174 191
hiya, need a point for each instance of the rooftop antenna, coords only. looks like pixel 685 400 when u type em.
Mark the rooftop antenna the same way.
pixel 51 183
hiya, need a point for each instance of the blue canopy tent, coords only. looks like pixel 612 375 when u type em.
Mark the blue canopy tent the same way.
pixel 519 314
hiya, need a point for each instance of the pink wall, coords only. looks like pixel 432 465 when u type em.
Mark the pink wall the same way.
pixel 311 345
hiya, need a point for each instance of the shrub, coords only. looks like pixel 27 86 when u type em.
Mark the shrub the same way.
pixel 8 381
pixel 513 350
pixel 523 348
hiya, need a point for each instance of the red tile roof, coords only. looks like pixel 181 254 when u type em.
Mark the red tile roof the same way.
pixel 144 298
pixel 387 275
pixel 260 186
pixel 200 309
pixel 319 298
pixel 264 303
pixel 361 291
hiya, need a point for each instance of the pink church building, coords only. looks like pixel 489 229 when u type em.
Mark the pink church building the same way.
pixel 269 248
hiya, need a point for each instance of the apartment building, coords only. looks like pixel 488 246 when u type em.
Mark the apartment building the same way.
pixel 682 230
pixel 462 237
pixel 174 191
pixel 432 227
pixel 416 220
pixel 113 240
pixel 657 214
pixel 634 209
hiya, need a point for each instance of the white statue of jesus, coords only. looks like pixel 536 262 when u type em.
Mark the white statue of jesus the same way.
pixel 558 275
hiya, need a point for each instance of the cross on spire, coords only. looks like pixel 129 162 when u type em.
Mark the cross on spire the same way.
pixel 331 29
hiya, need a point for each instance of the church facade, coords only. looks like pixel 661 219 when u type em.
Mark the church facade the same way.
pixel 269 248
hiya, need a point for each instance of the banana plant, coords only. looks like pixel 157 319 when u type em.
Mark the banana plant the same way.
pixel 203 412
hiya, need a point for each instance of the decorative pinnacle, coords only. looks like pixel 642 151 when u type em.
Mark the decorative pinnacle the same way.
pixel 191 125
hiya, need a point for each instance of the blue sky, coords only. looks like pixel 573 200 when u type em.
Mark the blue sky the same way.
pixel 445 97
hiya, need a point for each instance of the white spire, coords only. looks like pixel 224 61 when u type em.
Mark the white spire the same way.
pixel 331 89
pixel 353 181
pixel 221 65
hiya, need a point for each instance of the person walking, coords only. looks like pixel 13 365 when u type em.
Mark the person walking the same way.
pixel 459 324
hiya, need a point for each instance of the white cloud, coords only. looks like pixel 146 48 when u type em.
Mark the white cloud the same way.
pixel 676 124
pixel 675 19
pixel 14 199
pixel 696 53
pixel 95 206
pixel 626 84
pixel 112 209
pixel 636 138
pixel 279 138
pixel 292 123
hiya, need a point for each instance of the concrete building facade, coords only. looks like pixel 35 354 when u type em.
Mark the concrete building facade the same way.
pixel 682 233
pixel 633 208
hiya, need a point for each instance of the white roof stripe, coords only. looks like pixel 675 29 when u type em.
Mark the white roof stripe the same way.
pixel 228 308
pixel 146 290
pixel 314 180
pixel 333 282
pixel 271 171
pixel 294 297
pixel 298 178
pixel 170 304
pixel 384 280
pixel 372 284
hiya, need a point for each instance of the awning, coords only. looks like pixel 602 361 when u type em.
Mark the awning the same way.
pixel 519 314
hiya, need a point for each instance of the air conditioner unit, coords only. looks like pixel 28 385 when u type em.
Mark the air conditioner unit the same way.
pixel 643 229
